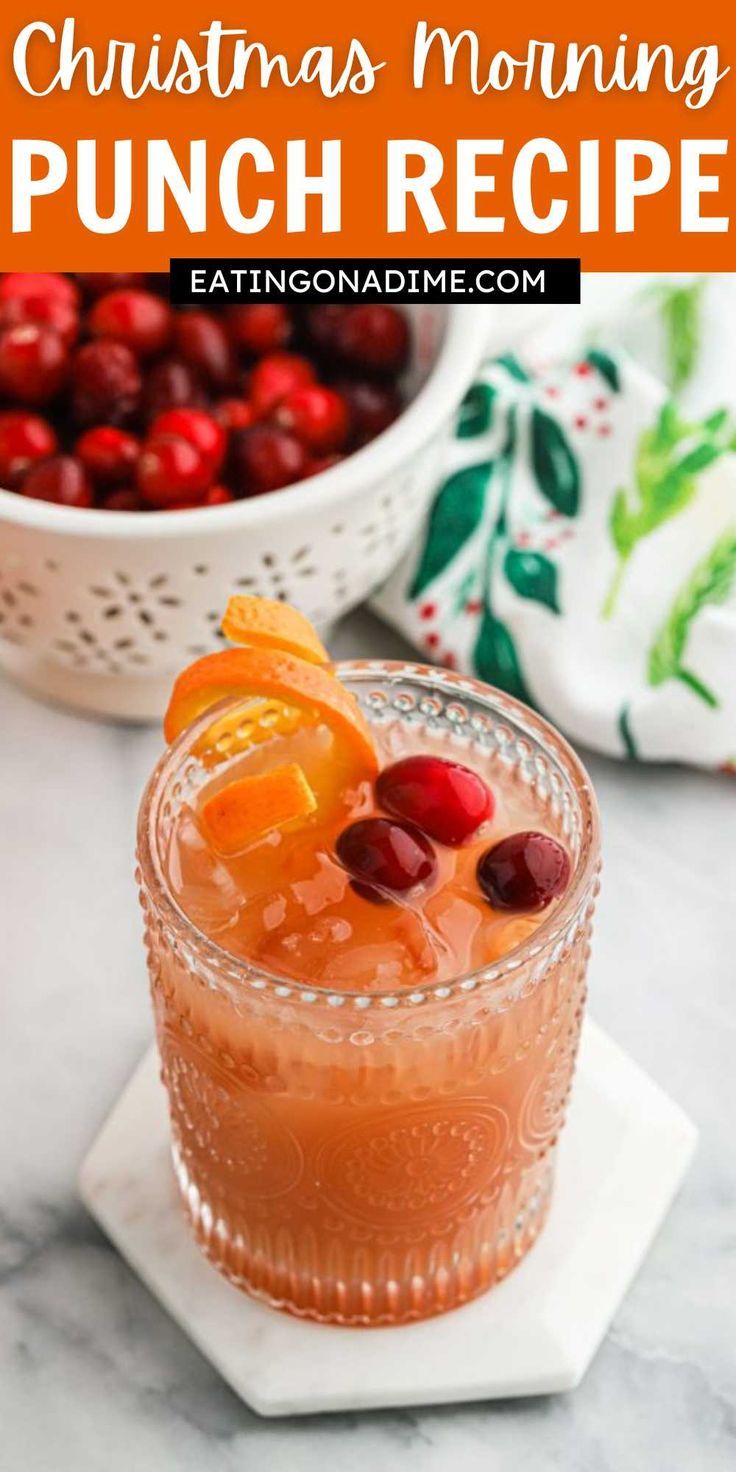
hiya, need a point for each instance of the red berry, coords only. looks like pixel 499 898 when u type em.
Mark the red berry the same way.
pixel 261 328
pixel 374 336
pixel 24 440
pixel 33 363
pixel 138 318
pixel 234 414
pixel 41 311
pixel 217 496
pixel 203 343
pixel 323 326
pixel 107 454
pixel 158 281
pixel 275 377
pixel 61 480
pixel 524 872
pixel 371 406
pixel 443 798
pixel 48 284
pixel 106 383
pixel 171 384
pixel 317 416
pixel 265 458
pixel 170 469
pixel 392 856
pixel 99 283
pixel 125 498
pixel 199 429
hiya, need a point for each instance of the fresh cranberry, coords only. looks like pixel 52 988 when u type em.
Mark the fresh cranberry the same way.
pixel 277 376
pixel 261 328
pixel 171 469
pixel 264 458
pixel 99 283
pixel 137 318
pixel 33 363
pixel 106 383
pixel 374 336
pixel 524 872
pixel 160 282
pixel 41 311
pixel 372 408
pixel 203 343
pixel 125 498
pixel 48 284
pixel 323 326
pixel 107 454
pixel 443 798
pixel 61 480
pixel 199 429
pixel 234 414
pixel 171 384
pixel 392 856
pixel 217 496
pixel 24 440
pixel 317 416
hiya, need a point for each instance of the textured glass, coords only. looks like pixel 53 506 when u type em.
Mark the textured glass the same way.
pixel 373 1158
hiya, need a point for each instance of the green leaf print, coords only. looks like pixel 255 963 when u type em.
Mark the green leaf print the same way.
pixel 716 422
pixel 455 515
pixel 607 367
pixel 464 591
pixel 555 466
pixel 711 582
pixel 513 367
pixel 475 415
pixel 669 457
pixel 681 308
pixel 496 660
pixel 532 575
pixel 626 734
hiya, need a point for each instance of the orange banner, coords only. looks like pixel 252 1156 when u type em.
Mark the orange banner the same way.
pixel 397 130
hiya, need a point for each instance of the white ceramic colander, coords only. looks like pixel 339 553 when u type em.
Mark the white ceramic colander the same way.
pixel 99 609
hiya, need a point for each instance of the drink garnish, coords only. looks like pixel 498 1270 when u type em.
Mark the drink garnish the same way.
pixel 524 872
pixel 380 851
pixel 281 676
pixel 253 806
pixel 266 623
pixel 445 799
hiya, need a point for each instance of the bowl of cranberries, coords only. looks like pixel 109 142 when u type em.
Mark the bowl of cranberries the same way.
pixel 153 456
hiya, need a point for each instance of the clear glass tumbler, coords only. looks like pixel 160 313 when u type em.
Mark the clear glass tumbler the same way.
pixel 373 1158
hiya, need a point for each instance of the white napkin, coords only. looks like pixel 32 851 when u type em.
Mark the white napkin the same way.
pixel 581 549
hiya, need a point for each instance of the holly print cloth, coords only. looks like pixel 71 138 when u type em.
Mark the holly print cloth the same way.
pixel 580 554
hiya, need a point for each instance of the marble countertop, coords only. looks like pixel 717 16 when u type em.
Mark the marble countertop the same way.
pixel 92 1372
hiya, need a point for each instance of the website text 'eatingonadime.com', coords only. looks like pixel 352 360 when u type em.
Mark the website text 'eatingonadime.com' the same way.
pixel 195 280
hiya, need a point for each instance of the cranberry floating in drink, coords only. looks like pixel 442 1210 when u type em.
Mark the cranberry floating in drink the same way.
pixel 367 1023
pixel 380 852
pixel 524 872
pixel 447 800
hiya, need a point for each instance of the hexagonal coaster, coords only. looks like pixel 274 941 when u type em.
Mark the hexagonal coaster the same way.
pixel 625 1149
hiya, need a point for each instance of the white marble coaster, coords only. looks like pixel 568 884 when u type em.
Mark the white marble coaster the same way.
pixel 625 1150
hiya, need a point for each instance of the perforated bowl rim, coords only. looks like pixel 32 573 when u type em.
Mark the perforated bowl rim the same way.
pixel 460 352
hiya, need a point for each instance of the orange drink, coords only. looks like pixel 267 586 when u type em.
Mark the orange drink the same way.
pixel 368 1012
